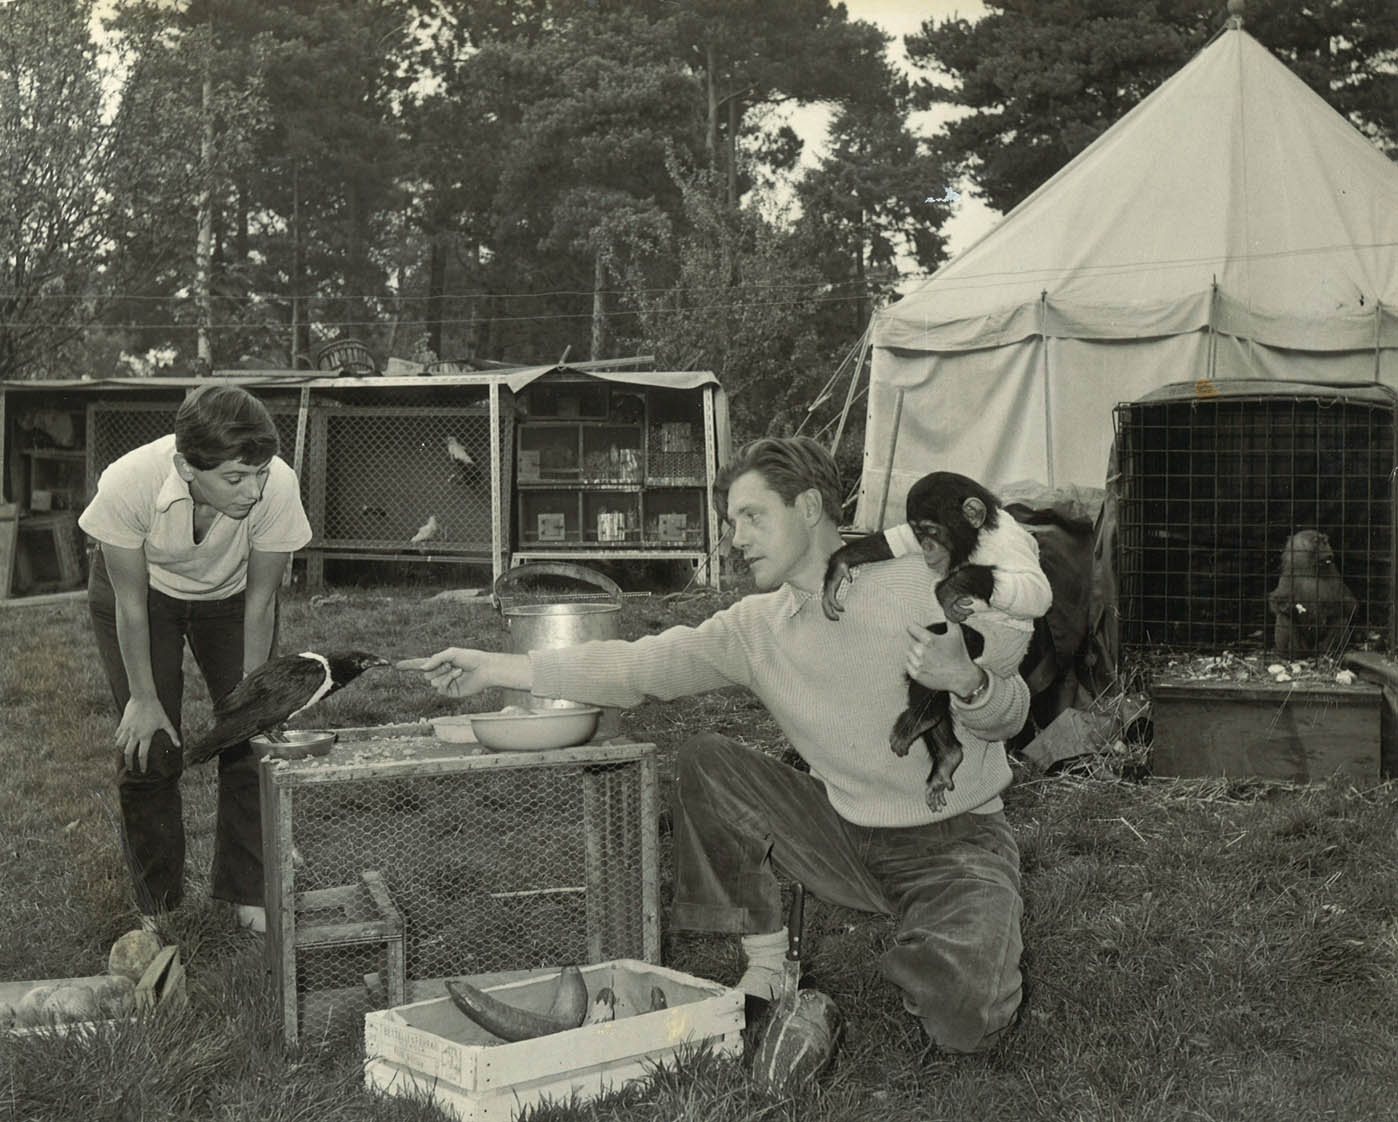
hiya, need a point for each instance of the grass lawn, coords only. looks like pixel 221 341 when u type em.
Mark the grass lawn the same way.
pixel 1195 950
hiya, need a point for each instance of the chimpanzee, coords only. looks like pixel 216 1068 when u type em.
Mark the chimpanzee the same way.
pixel 1311 605
pixel 990 576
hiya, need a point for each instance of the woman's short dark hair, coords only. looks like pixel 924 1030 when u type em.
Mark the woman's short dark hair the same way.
pixel 217 423
pixel 788 465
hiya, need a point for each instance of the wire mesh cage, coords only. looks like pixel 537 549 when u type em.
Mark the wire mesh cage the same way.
pixel 1212 488
pixel 116 427
pixel 406 477
pixel 487 862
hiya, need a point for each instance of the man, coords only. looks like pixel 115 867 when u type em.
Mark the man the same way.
pixel 856 830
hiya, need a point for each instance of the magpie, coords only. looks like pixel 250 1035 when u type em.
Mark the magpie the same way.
pixel 274 693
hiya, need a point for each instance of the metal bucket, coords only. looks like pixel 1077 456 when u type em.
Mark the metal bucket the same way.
pixel 535 626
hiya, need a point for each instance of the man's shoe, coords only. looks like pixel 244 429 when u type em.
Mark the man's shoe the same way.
pixel 250 917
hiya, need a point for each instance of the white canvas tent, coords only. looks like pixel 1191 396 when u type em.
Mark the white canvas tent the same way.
pixel 1232 225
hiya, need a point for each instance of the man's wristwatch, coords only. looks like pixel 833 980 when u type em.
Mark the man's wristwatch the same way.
pixel 979 692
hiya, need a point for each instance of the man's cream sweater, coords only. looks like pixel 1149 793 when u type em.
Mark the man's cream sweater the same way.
pixel 834 688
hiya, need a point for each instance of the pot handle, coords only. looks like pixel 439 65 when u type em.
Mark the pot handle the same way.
pixel 555 569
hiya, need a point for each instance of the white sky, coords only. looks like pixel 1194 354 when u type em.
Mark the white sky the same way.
pixel 970 216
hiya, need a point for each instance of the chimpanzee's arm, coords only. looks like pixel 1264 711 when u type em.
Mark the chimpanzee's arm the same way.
pixel 955 591
pixel 861 551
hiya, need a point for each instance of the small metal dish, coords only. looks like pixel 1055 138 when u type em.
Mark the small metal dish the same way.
pixel 298 745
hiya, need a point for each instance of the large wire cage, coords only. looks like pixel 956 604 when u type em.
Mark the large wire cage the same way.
pixel 1213 485
pixel 488 863
pixel 404 476
pixel 116 427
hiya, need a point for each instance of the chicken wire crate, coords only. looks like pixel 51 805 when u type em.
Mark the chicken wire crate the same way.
pixel 491 862
pixel 1213 486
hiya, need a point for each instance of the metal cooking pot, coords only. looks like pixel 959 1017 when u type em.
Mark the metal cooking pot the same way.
pixel 535 626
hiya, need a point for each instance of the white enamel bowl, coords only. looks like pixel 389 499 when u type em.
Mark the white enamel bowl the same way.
pixel 536 730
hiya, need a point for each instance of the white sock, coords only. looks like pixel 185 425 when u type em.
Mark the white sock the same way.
pixel 765 956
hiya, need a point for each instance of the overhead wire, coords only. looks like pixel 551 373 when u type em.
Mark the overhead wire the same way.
pixel 965 281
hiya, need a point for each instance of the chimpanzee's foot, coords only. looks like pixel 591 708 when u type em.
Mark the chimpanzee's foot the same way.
pixel 940 781
pixel 906 729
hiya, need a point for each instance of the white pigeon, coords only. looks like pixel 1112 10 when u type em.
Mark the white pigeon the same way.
pixel 457 451
pixel 428 530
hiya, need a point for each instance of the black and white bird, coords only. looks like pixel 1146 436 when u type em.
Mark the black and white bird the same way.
pixel 274 693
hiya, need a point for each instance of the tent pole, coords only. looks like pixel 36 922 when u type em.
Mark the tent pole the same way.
pixel 1048 397
pixel 853 385
pixel 892 446
pixel 1378 338
pixel 1213 335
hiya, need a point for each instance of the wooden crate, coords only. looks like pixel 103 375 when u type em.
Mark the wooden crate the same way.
pixel 431 1049
pixel 1267 730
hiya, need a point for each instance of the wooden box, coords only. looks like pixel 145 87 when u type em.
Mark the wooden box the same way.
pixel 11 993
pixel 1269 730
pixel 431 1049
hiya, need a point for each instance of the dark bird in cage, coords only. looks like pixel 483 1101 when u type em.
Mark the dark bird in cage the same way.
pixel 466 467
pixel 275 692
pixel 1312 607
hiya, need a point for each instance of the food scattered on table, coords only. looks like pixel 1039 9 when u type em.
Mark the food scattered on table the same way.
pixel 1258 667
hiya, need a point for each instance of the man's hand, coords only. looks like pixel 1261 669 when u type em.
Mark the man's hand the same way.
pixel 140 721
pixel 461 672
pixel 939 661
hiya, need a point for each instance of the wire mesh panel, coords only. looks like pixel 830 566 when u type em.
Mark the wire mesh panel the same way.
pixel 493 862
pixel 116 427
pixel 407 478
pixel 1213 487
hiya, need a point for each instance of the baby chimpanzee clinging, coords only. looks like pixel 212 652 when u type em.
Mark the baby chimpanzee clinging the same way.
pixel 990 578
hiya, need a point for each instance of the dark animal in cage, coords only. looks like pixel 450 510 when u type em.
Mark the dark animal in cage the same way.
pixel 1312 607
pixel 1209 489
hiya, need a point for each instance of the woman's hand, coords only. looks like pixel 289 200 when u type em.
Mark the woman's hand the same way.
pixel 940 662
pixel 140 721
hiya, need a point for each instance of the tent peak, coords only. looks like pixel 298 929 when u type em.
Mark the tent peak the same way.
pixel 1235 14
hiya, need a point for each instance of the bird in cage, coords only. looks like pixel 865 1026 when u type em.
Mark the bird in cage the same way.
pixel 1312 607
pixel 427 531
pixel 275 692
pixel 465 466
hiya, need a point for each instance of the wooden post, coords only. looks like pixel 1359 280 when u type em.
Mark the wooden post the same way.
pixel 9 542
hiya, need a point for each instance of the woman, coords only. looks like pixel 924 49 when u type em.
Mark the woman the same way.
pixel 195 531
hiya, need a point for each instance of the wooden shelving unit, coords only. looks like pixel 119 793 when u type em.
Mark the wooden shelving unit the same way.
pixel 612 471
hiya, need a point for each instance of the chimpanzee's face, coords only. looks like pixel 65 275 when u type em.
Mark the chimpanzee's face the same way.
pixel 932 536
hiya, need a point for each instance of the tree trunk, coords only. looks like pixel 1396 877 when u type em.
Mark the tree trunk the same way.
pixel 734 116
pixel 862 302
pixel 436 293
pixel 599 307
pixel 298 258
pixel 711 136
pixel 203 265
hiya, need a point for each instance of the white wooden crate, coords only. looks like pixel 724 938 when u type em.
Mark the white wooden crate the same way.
pixel 430 1049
